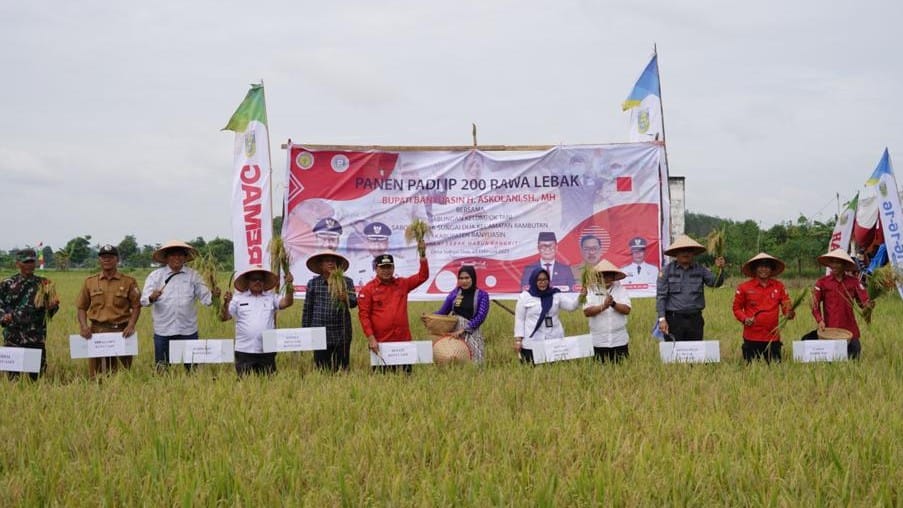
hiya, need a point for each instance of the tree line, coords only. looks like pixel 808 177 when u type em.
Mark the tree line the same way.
pixel 797 243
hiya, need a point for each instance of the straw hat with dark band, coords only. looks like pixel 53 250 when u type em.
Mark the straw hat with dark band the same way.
pixel 605 266
pixel 160 254
pixel 838 255
pixel 749 267
pixel 270 280
pixel 684 242
pixel 313 262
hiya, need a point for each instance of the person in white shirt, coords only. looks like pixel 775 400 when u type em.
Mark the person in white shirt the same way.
pixel 641 276
pixel 606 308
pixel 254 309
pixel 171 291
pixel 536 314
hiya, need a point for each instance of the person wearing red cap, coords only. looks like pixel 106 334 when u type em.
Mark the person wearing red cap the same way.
pixel 383 302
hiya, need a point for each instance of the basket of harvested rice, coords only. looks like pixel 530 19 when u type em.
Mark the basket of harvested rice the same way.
pixel 835 334
pixel 440 325
pixel 450 349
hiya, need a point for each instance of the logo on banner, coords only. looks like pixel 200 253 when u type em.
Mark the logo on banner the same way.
pixel 882 188
pixel 643 121
pixel 340 163
pixel 305 160
pixel 844 218
pixel 250 144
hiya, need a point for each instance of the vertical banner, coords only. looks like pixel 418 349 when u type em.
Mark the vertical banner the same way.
pixel 505 212
pixel 843 230
pixel 884 184
pixel 252 216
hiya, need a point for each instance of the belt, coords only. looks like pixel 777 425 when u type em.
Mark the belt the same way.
pixel 683 312
pixel 103 324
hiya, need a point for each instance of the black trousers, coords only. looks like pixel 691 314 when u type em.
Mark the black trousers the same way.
pixel 611 354
pixel 755 350
pixel 685 325
pixel 334 357
pixel 255 363
pixel 383 369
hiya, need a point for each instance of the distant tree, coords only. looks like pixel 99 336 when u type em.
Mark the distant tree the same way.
pixel 7 259
pixel 61 260
pixel 48 255
pixel 128 250
pixel 198 243
pixel 77 250
pixel 221 248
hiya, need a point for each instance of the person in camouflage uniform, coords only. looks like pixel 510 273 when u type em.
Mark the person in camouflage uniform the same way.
pixel 27 302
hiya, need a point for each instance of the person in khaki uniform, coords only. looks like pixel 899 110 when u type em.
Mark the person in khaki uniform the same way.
pixel 111 301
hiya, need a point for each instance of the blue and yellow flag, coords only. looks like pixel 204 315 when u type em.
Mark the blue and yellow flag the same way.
pixel 645 86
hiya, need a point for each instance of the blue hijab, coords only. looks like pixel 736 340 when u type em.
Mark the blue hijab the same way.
pixel 545 297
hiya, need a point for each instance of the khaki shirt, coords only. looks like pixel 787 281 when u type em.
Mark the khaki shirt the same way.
pixel 109 299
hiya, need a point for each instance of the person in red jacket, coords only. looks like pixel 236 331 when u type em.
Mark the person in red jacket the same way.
pixel 758 304
pixel 836 293
pixel 383 302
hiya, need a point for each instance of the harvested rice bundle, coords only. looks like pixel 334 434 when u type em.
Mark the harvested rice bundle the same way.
pixel 417 231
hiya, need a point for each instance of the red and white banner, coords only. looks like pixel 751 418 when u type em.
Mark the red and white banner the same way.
pixel 505 212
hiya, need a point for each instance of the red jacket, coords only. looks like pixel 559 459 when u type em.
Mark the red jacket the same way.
pixel 832 302
pixel 763 303
pixel 383 306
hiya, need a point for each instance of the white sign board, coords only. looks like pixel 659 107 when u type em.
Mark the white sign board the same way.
pixel 403 353
pixel 294 339
pixel 202 351
pixel 696 351
pixel 103 344
pixel 819 350
pixel 556 350
pixel 20 359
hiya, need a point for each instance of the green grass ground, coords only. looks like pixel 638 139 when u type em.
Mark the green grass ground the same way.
pixel 573 433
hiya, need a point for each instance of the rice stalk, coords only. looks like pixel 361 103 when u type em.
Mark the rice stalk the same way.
pixel 591 281
pixel 881 282
pixel 280 260
pixel 794 304
pixel 45 295
pixel 715 245
pixel 338 291
pixel 207 267
pixel 417 230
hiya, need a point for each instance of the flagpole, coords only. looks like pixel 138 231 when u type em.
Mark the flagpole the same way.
pixel 270 154
pixel 666 185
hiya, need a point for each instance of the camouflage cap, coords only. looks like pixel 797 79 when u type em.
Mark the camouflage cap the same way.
pixel 25 255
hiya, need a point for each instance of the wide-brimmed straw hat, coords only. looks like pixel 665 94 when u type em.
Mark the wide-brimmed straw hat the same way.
pixel 748 268
pixel 270 279
pixel 835 334
pixel 160 254
pixel 684 242
pixel 313 262
pixel 605 266
pixel 837 255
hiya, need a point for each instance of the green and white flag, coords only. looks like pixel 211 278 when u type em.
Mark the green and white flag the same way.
pixel 252 216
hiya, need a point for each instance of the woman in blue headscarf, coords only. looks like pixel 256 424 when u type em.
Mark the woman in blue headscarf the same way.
pixel 536 314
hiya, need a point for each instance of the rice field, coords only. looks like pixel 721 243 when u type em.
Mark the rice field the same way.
pixel 568 434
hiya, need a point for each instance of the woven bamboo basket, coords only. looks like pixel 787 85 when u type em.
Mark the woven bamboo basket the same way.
pixel 440 325
pixel 449 349
pixel 835 334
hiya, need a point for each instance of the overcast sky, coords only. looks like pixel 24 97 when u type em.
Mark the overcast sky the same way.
pixel 112 110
